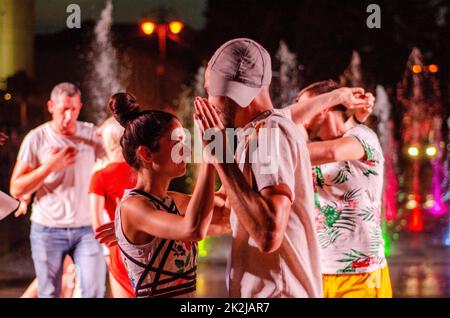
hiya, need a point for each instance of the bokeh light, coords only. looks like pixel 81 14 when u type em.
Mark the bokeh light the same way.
pixel 148 27
pixel 416 69
pixel 413 151
pixel 431 151
pixel 175 27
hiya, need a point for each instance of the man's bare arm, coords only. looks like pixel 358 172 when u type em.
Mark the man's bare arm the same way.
pixel 25 180
pixel 263 214
pixel 220 222
pixel 340 149
pixel 303 111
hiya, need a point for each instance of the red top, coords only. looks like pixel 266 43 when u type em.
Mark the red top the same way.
pixel 111 182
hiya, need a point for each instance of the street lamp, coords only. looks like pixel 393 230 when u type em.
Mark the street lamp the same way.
pixel 163 30
pixel 148 27
pixel 176 27
pixel 417 69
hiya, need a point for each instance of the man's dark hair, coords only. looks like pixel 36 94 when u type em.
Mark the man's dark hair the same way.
pixel 322 87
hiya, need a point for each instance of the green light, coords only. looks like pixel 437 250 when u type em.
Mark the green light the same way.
pixel 202 248
pixel 387 243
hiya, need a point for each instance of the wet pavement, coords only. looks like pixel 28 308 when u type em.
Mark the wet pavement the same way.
pixel 419 267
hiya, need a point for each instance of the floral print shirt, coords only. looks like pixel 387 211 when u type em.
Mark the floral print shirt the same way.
pixel 348 209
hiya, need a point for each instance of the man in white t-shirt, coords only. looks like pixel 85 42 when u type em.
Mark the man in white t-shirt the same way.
pixel 54 163
pixel 275 251
pixel 348 178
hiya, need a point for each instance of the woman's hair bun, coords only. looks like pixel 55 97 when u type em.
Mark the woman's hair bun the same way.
pixel 124 107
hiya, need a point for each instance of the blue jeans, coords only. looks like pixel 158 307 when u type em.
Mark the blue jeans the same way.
pixel 49 246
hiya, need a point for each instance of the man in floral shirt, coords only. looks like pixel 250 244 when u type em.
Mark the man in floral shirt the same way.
pixel 348 179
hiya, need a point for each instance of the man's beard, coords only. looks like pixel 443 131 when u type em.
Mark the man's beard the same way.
pixel 227 114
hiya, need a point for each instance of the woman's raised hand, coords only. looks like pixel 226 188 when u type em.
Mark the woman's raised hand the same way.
pixel 207 114
pixel 209 124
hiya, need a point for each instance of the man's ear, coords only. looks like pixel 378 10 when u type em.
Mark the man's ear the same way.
pixel 144 154
pixel 50 106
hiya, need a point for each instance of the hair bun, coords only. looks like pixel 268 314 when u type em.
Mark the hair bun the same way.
pixel 124 107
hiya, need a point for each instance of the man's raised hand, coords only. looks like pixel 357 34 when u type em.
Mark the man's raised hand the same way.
pixel 352 97
pixel 61 158
pixel 210 124
pixel 361 114
pixel 207 114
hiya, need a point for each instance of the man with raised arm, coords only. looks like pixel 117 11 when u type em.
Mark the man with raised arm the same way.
pixel 275 252
pixel 55 163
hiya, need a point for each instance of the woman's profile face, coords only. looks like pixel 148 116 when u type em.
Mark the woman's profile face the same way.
pixel 172 147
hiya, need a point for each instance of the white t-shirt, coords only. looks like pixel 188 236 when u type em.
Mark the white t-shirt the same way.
pixel 294 269
pixel 62 201
pixel 348 209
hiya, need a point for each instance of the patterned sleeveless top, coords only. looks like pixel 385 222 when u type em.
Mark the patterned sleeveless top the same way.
pixel 162 268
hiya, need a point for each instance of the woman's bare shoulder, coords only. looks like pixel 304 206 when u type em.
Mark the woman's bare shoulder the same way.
pixel 181 200
pixel 136 203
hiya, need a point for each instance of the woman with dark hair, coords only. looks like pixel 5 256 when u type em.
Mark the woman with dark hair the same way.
pixel 157 230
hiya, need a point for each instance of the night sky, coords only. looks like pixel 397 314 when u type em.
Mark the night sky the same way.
pixel 51 14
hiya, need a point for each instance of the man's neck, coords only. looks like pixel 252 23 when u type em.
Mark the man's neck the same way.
pixel 247 115
pixel 350 123
pixel 68 132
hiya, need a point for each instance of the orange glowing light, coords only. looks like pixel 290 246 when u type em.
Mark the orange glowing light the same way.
pixel 176 27
pixel 7 96
pixel 433 68
pixel 148 27
pixel 416 69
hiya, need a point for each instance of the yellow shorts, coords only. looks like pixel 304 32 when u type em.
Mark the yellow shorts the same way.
pixel 376 284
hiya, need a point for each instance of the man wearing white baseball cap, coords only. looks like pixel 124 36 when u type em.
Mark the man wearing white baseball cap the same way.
pixel 274 251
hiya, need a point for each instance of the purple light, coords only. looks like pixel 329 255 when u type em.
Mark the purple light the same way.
pixel 438 209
